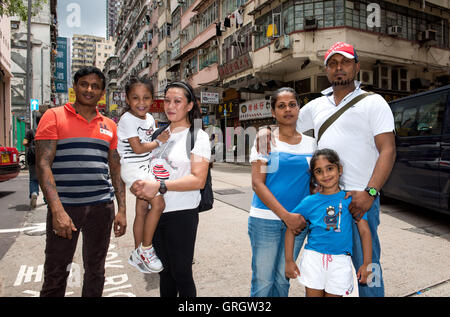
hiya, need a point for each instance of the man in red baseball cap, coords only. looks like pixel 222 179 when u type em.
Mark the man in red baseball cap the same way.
pixel 363 137
pixel 342 66
pixel 342 48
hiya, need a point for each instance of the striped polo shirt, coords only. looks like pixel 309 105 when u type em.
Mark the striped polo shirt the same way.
pixel 80 166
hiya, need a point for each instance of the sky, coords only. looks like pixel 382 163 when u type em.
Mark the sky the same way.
pixel 81 17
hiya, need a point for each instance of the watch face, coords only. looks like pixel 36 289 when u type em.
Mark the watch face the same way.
pixel 372 191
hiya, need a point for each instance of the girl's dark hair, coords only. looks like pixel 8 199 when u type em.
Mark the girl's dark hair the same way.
pixel 329 154
pixel 195 112
pixel 278 92
pixel 139 81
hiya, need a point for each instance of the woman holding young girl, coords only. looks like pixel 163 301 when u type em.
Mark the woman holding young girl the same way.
pixel 277 191
pixel 185 174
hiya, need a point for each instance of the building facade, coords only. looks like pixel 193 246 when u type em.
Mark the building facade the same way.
pixel 235 53
pixel 112 14
pixel 103 50
pixel 43 51
pixel 83 50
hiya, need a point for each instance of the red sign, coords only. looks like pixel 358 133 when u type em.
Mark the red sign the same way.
pixel 157 106
pixel 237 65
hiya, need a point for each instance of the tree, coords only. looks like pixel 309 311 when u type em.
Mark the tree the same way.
pixel 19 8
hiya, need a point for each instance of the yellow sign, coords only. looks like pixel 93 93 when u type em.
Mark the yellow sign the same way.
pixel 71 95
pixel 113 107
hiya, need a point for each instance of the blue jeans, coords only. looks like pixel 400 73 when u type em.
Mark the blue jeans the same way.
pixel 34 183
pixel 267 242
pixel 375 284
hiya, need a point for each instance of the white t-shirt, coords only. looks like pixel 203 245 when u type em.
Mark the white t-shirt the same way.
pixel 131 126
pixel 171 161
pixel 352 134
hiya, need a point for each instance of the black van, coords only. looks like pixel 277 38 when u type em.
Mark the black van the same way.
pixel 421 174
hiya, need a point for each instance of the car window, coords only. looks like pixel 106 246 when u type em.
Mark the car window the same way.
pixel 420 116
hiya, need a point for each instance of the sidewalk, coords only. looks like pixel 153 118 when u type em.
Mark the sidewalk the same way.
pixel 415 250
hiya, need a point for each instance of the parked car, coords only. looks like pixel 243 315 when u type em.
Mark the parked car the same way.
pixel 421 174
pixel 9 165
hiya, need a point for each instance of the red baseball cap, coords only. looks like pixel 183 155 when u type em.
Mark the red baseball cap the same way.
pixel 342 48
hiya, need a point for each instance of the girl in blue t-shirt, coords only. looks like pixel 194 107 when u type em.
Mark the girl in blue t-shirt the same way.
pixel 326 266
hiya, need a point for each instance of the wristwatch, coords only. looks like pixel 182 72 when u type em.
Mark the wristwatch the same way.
pixel 158 141
pixel 372 191
pixel 162 187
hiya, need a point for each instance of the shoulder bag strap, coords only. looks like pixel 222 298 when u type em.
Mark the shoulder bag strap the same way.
pixel 338 113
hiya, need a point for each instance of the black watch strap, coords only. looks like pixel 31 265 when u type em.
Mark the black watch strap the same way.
pixel 372 191
pixel 162 187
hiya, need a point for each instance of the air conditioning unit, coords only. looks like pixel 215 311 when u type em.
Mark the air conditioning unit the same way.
pixel 256 29
pixel 214 43
pixel 366 77
pixel 394 30
pixel 310 23
pixel 282 43
pixel 201 51
pixel 427 36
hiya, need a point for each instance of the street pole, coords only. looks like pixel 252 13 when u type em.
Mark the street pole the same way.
pixel 28 87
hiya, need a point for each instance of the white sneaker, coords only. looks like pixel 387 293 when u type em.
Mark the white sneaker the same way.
pixel 136 262
pixel 149 259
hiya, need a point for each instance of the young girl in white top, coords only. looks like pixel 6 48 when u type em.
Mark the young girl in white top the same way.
pixel 135 129
pixel 186 170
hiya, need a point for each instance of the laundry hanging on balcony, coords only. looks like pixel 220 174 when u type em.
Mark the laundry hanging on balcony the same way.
pixel 271 30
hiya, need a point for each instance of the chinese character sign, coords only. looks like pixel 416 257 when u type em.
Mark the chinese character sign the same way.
pixel 209 97
pixel 255 109
pixel 61 65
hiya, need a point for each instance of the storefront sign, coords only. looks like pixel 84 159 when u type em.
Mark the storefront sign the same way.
pixel 237 65
pixel 209 97
pixel 255 109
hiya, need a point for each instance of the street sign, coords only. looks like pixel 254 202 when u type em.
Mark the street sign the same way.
pixel 34 104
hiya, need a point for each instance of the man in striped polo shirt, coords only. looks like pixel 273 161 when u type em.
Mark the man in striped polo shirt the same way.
pixel 79 173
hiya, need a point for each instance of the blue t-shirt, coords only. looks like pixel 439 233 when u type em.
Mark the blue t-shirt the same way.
pixel 330 229
pixel 287 175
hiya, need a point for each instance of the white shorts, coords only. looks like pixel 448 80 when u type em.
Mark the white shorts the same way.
pixel 329 272
pixel 131 172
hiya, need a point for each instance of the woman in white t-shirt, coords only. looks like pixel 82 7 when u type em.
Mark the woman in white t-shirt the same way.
pixel 185 171
pixel 280 181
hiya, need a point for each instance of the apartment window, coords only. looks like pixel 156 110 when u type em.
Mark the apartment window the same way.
pixel 209 56
pixel 176 49
pixel 208 16
pixel 351 13
pixel 229 6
